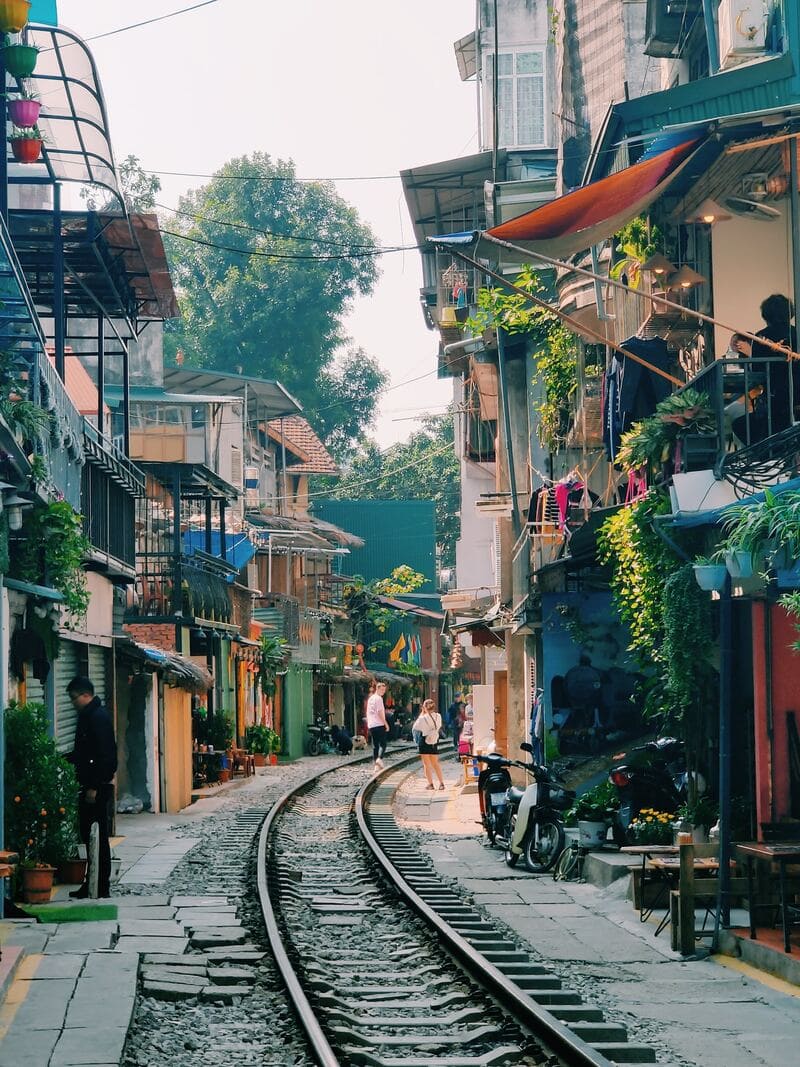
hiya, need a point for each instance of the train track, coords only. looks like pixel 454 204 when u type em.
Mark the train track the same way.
pixel 385 965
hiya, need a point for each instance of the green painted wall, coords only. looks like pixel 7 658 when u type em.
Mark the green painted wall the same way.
pixel 298 709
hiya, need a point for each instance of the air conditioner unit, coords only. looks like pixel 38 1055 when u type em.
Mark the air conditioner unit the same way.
pixel 742 31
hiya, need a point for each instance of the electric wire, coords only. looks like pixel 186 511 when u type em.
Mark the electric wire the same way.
pixel 150 22
pixel 285 255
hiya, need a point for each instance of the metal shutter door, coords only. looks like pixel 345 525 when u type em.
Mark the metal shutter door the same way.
pixel 34 690
pixel 66 667
pixel 98 671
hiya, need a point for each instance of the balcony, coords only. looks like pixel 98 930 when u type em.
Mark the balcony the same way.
pixel 204 596
pixel 110 484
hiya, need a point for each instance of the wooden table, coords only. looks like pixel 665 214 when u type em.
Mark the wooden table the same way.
pixel 781 853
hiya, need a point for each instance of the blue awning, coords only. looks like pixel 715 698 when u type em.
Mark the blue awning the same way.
pixel 714 515
pixel 239 549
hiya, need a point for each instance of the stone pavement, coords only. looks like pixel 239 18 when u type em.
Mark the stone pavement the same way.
pixel 714 1012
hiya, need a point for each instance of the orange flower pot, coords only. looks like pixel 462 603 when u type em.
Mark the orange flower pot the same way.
pixel 14 15
pixel 26 149
pixel 72 872
pixel 273 760
pixel 37 884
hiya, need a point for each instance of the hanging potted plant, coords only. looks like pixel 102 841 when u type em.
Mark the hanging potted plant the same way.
pixel 20 59
pixel 26 144
pixel 24 111
pixel 14 15
pixel 710 573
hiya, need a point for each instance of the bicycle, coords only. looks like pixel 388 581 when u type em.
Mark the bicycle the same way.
pixel 570 863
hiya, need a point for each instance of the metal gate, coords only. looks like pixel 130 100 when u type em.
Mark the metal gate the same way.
pixel 71 658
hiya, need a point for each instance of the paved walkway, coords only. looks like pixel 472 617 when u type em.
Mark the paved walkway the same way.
pixel 714 1012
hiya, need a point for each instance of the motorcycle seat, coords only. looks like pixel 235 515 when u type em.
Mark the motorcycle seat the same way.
pixel 515 794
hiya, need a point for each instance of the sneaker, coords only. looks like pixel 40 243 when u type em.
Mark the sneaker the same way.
pixel 379 764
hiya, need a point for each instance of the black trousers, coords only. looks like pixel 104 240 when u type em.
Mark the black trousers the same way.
pixel 380 736
pixel 97 812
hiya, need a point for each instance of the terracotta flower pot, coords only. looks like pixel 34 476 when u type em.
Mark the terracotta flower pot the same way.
pixel 20 59
pixel 26 149
pixel 72 872
pixel 259 759
pixel 224 774
pixel 37 884
pixel 14 15
pixel 24 112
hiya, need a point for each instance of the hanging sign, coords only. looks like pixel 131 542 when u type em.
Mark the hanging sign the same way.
pixel 44 12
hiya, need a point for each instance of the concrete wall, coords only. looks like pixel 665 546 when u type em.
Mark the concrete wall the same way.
pixel 750 261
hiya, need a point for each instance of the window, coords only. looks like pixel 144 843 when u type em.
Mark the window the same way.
pixel 520 97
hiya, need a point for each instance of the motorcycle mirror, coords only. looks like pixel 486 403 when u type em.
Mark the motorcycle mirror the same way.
pixel 526 747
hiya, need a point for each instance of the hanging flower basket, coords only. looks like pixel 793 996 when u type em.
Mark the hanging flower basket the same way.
pixel 14 15
pixel 739 564
pixel 710 576
pixel 26 149
pixel 24 112
pixel 37 884
pixel 20 59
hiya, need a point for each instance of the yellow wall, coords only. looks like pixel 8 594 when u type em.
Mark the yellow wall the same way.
pixel 178 748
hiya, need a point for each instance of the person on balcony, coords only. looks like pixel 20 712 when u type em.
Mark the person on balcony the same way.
pixel 774 408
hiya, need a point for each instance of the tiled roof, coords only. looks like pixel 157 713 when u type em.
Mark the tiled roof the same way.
pixel 304 443
pixel 78 382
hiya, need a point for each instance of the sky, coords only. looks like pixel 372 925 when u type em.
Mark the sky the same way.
pixel 346 88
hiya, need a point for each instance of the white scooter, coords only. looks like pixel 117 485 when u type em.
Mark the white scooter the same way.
pixel 531 823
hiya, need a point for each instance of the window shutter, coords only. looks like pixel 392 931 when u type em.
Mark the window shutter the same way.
pixel 237 471
pixel 496 555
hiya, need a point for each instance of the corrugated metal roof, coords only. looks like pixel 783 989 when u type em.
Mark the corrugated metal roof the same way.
pixel 395 532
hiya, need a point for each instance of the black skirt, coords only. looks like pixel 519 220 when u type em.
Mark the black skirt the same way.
pixel 428 750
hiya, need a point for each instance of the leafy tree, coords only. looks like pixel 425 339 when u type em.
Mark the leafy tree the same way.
pixel 424 467
pixel 364 608
pixel 276 313
pixel 139 189
pixel 348 394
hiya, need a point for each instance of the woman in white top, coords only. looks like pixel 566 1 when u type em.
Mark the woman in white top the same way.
pixel 376 722
pixel 428 724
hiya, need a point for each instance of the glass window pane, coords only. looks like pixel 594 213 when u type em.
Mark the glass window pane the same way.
pixel 530 111
pixel 505 65
pixel 505 123
pixel 529 63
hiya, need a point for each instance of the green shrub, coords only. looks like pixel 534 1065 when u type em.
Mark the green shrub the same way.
pixel 41 790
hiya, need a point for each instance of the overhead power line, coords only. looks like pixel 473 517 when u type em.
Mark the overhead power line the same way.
pixel 286 255
pixel 274 177
pixel 149 22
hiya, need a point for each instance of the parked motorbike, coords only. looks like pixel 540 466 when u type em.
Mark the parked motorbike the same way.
pixel 652 775
pixel 319 738
pixel 524 822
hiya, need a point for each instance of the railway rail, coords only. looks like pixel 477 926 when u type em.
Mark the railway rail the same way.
pixel 386 965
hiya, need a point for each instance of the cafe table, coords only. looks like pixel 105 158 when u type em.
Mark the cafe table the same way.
pixel 782 853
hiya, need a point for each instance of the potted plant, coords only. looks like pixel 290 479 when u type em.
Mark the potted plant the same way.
pixel 20 59
pixel 14 15
pixel 710 574
pixel 26 144
pixel 274 742
pixel 593 811
pixel 697 816
pixel 651 827
pixel 40 799
pixel 72 868
pixel 271 663
pixel 24 111
pixel 257 741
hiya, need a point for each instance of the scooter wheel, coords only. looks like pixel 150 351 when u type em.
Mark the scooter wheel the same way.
pixel 511 858
pixel 314 747
pixel 543 856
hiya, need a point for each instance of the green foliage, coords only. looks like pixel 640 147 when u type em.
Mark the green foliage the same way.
pixel 220 730
pixel 702 811
pixel 346 401
pixel 791 602
pixel 277 314
pixel 686 610
pixel 51 552
pixel 650 442
pixel 361 599
pixel 557 351
pixel 557 364
pixel 262 740
pixel 25 418
pixel 595 805
pixel 773 523
pixel 40 790
pixel 636 241
pixel 139 189
pixel 425 467
pixel 272 662
pixel 641 563
pixel 652 827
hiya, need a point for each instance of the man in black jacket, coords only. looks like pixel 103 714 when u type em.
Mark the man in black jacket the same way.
pixel 95 760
